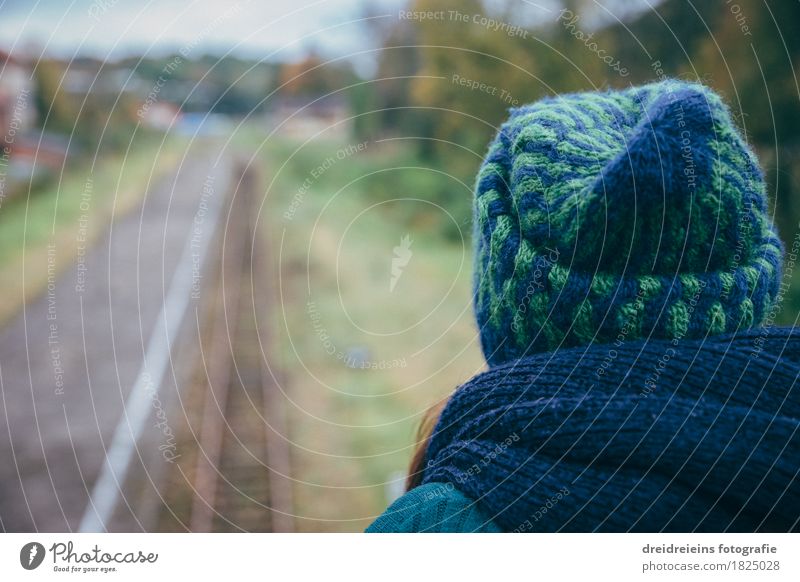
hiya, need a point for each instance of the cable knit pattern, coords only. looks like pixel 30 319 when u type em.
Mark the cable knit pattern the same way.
pixel 625 266
pixel 692 435
pixel 639 212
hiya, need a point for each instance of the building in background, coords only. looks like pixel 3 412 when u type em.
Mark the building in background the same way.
pixel 27 155
pixel 17 108
pixel 327 117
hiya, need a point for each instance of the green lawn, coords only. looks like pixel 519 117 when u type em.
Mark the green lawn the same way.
pixel 353 429
pixel 48 225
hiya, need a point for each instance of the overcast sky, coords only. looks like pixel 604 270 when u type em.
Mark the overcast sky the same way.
pixel 254 27
pixel 264 29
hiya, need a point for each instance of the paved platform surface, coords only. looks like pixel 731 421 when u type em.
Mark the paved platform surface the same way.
pixel 68 362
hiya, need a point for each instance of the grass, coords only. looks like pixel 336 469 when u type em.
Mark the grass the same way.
pixel 353 430
pixel 46 226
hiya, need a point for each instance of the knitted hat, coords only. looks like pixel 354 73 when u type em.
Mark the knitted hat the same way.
pixel 620 215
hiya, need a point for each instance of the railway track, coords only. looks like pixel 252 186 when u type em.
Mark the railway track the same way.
pixel 240 480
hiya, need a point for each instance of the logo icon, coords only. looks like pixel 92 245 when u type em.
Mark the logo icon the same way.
pixel 31 555
pixel 402 255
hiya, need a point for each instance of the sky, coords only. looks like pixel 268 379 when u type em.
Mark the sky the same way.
pixel 283 29
pixel 263 29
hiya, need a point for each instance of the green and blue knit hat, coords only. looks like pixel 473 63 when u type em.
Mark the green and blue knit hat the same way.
pixel 620 215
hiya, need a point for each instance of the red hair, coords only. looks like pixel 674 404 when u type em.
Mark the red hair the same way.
pixel 416 469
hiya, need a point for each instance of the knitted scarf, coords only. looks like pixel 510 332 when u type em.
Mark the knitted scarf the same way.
pixel 666 435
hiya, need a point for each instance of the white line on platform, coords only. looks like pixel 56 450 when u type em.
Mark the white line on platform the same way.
pixel 138 406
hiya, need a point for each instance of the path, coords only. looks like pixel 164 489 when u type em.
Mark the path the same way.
pixel 69 362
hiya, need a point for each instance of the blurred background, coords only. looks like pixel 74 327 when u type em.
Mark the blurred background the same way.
pixel 235 237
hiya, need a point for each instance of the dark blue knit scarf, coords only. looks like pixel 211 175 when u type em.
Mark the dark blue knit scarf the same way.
pixel 671 435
